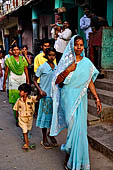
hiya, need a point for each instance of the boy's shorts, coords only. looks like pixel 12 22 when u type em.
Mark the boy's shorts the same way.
pixel 25 123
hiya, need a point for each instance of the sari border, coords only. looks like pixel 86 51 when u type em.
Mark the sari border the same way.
pixel 77 102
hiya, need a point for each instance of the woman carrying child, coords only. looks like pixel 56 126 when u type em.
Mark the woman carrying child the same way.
pixel 45 72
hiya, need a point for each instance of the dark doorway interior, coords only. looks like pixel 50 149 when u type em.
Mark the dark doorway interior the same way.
pixel 100 7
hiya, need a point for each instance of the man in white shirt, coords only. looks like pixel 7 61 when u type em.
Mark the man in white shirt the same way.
pixel 62 40
pixel 85 23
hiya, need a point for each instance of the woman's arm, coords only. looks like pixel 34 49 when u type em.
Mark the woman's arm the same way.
pixel 5 78
pixel 26 57
pixel 27 75
pixel 28 60
pixel 61 77
pixel 41 92
pixel 93 91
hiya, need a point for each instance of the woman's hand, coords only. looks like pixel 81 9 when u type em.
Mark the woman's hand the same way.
pixel 72 67
pixel 61 77
pixel 99 106
pixel 42 93
pixel 93 91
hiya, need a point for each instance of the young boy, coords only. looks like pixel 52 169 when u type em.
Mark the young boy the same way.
pixel 25 107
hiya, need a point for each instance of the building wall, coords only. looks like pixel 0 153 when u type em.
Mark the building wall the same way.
pixel 27 39
pixel 110 12
pixel 45 21
pixel 107 48
pixel 27 35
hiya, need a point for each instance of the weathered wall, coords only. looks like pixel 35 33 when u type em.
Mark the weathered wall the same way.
pixel 107 48
pixel 110 12
pixel 27 35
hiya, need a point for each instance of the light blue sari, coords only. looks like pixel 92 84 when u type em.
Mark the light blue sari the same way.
pixel 70 107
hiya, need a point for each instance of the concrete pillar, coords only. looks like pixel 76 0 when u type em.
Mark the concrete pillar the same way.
pixel 58 3
pixel 19 38
pixel 110 12
pixel 6 40
pixel 35 26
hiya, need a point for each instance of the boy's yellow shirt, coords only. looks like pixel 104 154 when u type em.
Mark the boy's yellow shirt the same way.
pixel 25 109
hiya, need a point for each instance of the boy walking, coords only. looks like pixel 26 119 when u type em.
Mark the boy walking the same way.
pixel 25 108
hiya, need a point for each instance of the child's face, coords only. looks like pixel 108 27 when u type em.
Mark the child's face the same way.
pixel 22 93
pixel 51 56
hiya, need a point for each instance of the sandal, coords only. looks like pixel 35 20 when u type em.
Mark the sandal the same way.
pixel 46 145
pixel 32 146
pixel 25 147
pixel 53 140
pixel 66 168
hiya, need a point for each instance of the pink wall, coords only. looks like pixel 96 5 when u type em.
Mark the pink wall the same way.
pixel 27 35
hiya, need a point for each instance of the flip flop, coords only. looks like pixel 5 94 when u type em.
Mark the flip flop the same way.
pixel 53 140
pixel 46 145
pixel 66 168
pixel 32 146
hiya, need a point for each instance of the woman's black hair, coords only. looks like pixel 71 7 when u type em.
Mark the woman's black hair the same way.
pixel 25 46
pixel 15 45
pixel 25 87
pixel 78 37
pixel 49 49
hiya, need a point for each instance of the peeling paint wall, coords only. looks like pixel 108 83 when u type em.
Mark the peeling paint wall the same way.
pixel 107 48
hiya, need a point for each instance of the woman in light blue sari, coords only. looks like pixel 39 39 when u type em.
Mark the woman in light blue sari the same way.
pixel 76 73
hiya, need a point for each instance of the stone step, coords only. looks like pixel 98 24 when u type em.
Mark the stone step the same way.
pixel 100 137
pixel 105 96
pixel 104 84
pixel 106 114
pixel 92 120
pixel 108 74
pixel 92 107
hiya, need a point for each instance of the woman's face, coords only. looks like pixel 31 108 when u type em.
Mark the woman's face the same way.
pixel 24 50
pixel 78 46
pixel 16 51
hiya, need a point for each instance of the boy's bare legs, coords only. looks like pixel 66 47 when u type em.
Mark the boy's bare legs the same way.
pixel 26 140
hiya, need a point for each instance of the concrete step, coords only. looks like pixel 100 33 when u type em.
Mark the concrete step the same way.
pixel 104 84
pixel 100 137
pixel 105 96
pixel 108 74
pixel 106 114
pixel 92 120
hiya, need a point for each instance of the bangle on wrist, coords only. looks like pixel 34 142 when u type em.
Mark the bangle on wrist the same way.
pixel 61 75
pixel 98 100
